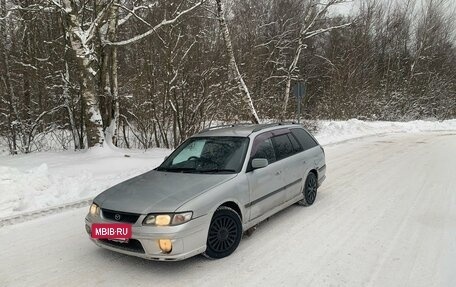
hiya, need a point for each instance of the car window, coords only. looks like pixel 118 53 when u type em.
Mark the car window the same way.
pixel 304 138
pixel 282 146
pixel 193 149
pixel 265 149
pixel 208 155
pixel 294 142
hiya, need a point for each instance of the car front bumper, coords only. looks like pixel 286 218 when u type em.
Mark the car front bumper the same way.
pixel 188 239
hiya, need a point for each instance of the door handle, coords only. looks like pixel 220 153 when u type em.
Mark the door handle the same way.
pixel 278 172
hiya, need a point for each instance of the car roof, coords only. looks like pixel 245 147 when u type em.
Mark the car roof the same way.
pixel 242 130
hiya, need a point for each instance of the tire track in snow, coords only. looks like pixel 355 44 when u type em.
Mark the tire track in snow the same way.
pixel 18 218
pixel 392 244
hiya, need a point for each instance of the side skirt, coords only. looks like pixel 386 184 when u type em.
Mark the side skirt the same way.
pixel 284 205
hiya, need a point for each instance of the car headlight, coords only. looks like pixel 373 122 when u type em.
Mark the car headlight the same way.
pixel 94 210
pixel 167 219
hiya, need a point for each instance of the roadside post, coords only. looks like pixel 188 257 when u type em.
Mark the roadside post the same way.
pixel 299 90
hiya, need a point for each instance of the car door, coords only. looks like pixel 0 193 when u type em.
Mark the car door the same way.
pixel 290 162
pixel 264 183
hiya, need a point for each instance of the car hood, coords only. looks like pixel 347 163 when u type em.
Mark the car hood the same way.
pixel 157 191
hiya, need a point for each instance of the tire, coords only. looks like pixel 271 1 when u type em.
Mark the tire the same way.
pixel 225 232
pixel 309 190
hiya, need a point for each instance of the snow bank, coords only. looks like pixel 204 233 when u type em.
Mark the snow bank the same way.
pixel 23 189
pixel 40 180
pixel 336 131
pixel 29 182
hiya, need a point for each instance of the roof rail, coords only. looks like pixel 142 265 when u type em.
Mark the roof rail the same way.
pixel 265 126
pixel 224 126
pixel 258 127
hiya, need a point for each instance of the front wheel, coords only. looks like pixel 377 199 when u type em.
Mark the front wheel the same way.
pixel 225 232
pixel 309 190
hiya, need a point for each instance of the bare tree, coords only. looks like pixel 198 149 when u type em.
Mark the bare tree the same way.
pixel 146 74
pixel 234 70
pixel 83 39
pixel 308 30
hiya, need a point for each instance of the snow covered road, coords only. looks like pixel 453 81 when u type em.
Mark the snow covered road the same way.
pixel 385 216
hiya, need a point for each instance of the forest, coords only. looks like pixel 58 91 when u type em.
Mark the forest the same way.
pixel 145 74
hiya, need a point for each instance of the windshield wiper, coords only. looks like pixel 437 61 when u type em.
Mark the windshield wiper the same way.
pixel 216 170
pixel 192 169
pixel 177 169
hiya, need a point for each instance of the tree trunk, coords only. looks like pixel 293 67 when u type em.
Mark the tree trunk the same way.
pixel 233 65
pixel 67 98
pixel 92 115
pixel 286 97
pixel 115 98
pixel 109 85
pixel 68 105
pixel 290 71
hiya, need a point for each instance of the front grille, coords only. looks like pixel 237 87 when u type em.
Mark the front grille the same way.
pixel 120 216
pixel 132 245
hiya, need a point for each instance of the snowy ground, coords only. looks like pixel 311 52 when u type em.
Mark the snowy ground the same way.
pixel 337 131
pixel 37 181
pixel 384 217
pixel 45 179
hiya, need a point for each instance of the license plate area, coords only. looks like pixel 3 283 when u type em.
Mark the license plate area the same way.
pixel 117 232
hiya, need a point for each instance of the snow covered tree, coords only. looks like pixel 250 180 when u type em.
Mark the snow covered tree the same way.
pixel 87 33
pixel 145 74
pixel 234 69
pixel 314 12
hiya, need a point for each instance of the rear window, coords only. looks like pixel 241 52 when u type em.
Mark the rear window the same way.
pixel 283 146
pixel 297 147
pixel 306 141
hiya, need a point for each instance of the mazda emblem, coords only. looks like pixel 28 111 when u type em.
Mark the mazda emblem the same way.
pixel 117 217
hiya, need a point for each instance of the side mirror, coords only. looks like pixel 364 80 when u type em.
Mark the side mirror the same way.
pixel 259 163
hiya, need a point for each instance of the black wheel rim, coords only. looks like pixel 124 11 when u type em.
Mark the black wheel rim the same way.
pixel 311 189
pixel 222 234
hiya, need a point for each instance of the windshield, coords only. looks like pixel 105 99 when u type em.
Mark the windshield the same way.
pixel 208 155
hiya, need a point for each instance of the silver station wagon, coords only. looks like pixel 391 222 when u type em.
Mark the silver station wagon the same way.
pixel 213 187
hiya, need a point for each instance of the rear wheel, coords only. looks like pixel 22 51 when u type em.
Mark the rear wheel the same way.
pixel 309 190
pixel 225 232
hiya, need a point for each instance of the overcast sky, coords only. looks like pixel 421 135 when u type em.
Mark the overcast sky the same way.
pixel 350 7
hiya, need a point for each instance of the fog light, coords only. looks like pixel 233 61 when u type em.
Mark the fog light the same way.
pixel 88 229
pixel 165 245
